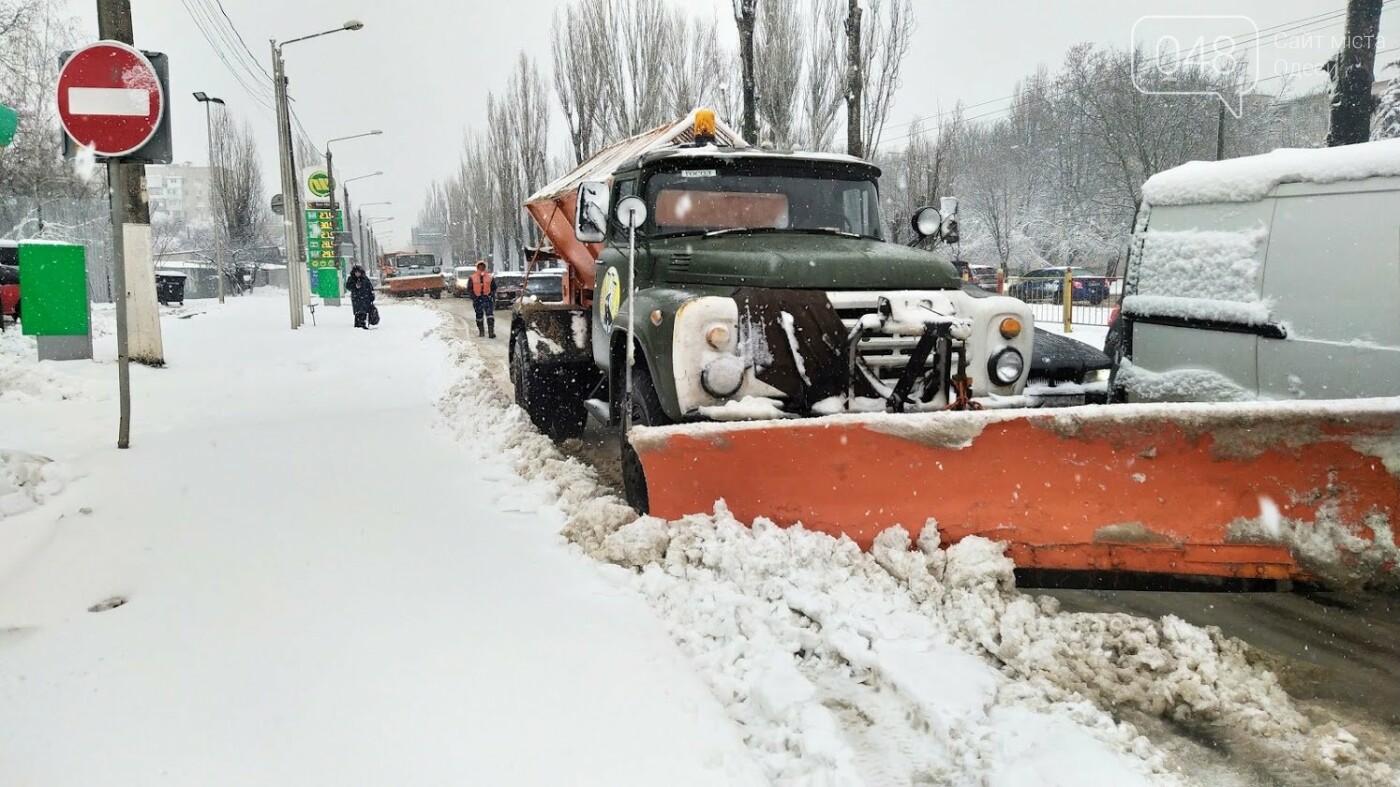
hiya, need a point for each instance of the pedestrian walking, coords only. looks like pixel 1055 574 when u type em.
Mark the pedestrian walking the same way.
pixel 361 291
pixel 483 289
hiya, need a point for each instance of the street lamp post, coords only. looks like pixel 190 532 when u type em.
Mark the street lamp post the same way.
pixel 290 222
pixel 207 100
pixel 360 222
pixel 375 236
pixel 345 192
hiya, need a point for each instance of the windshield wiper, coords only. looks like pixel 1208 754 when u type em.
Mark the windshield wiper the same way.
pixel 807 230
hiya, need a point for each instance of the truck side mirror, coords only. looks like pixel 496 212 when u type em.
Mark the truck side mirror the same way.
pixel 949 227
pixel 591 211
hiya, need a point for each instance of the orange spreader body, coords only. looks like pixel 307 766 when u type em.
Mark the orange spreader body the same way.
pixel 1142 488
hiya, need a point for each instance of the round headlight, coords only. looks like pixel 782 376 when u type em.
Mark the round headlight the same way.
pixel 927 221
pixel 1006 366
pixel 718 337
pixel 722 377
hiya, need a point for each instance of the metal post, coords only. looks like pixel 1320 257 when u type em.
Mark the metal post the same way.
pixel 218 233
pixel 117 185
pixel 631 327
pixel 1067 295
pixel 284 151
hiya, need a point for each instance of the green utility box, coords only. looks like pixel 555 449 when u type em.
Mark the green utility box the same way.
pixel 328 283
pixel 53 286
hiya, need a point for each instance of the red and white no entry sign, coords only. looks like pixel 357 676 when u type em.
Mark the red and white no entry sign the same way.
pixel 109 97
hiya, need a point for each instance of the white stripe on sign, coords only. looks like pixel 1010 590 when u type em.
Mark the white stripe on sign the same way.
pixel 124 101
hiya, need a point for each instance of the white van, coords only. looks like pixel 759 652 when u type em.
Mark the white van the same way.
pixel 1267 277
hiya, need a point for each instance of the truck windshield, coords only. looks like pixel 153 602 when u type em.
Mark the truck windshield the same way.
pixel 700 201
pixel 415 262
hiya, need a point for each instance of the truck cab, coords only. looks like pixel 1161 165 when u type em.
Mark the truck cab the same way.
pixel 757 284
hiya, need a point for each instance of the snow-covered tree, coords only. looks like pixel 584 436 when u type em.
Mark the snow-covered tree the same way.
pixel 1387 121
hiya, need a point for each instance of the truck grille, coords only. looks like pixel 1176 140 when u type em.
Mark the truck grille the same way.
pixel 885 355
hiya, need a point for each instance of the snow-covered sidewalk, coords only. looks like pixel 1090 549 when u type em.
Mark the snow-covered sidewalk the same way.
pixel 320 587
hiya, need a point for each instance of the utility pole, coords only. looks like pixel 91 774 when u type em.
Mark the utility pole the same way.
pixel 1353 73
pixel 855 83
pixel 289 201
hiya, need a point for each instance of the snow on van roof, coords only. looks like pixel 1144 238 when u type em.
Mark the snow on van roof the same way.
pixel 1253 177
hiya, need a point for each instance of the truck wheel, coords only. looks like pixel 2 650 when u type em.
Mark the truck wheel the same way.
pixel 646 411
pixel 550 395
pixel 434 295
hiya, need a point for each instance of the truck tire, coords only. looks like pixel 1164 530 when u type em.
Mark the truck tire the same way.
pixel 646 411
pixel 434 295
pixel 550 395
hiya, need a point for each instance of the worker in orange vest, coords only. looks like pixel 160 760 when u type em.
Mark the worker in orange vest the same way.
pixel 483 289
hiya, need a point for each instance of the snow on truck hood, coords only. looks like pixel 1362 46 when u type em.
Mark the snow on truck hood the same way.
pixel 1253 177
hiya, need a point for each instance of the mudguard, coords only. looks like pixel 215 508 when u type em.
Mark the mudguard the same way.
pixel 1280 490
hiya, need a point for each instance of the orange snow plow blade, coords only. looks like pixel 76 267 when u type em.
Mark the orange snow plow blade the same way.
pixel 1305 491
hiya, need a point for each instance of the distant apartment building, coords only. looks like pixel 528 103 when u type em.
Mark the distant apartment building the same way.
pixel 180 192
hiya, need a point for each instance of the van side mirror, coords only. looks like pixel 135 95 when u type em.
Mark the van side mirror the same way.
pixel 591 211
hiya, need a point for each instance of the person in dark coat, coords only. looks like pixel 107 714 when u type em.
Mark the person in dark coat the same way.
pixel 361 291
pixel 482 286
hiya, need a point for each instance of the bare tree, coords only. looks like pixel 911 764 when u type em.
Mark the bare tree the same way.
pixel 822 102
pixel 529 107
pixel 237 195
pixel 778 59
pixel 887 32
pixel 746 18
pixel 697 66
pixel 640 32
pixel 581 48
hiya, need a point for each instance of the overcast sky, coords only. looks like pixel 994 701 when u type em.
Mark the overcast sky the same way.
pixel 420 69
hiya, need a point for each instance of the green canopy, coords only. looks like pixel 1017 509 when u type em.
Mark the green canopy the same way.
pixel 9 120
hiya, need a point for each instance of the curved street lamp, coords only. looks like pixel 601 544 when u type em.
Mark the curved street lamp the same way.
pixel 208 101
pixel 291 222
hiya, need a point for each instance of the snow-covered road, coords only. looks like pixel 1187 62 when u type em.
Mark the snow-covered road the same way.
pixel 337 559
pixel 320 586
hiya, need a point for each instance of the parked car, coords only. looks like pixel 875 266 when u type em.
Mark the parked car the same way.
pixel 546 285
pixel 507 288
pixel 460 286
pixel 984 276
pixel 9 292
pixel 1045 286
pixel 1255 279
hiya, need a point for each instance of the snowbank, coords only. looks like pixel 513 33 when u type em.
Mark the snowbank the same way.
pixel 908 663
pixel 24 379
pixel 27 481
pixel 1253 177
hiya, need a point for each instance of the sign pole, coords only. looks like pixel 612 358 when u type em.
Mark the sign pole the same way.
pixel 117 185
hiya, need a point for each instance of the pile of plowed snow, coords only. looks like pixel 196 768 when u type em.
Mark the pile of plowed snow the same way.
pixel 28 480
pixel 23 378
pixel 912 663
